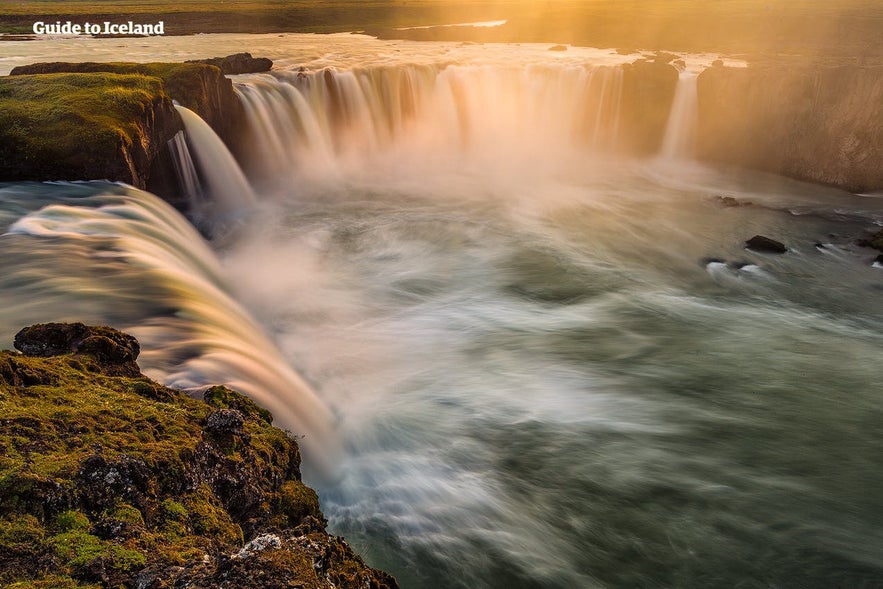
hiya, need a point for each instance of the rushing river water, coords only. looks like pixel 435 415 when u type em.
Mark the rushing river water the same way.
pixel 518 362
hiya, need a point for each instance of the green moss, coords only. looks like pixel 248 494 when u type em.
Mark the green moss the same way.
pixel 224 398
pixel 66 122
pixel 78 548
pixel 208 518
pixel 20 533
pixel 123 512
pixel 53 582
pixel 174 511
pixel 73 521
pixel 297 501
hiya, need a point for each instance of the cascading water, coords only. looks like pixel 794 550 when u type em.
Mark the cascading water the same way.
pixel 680 133
pixel 326 121
pixel 224 179
pixel 540 382
pixel 185 170
pixel 114 255
pixel 547 367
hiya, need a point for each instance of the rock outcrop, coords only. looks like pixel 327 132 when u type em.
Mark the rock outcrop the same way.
pixel 110 121
pixel 67 126
pixel 108 479
pixel 817 123
pixel 238 63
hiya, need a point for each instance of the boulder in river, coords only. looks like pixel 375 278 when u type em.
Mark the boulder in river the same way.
pixel 760 243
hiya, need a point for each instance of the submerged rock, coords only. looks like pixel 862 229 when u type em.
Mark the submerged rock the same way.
pixel 760 243
pixel 107 483
pixel 558 48
pixel 875 241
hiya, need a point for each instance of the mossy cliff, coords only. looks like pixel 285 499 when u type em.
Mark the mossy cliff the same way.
pixel 76 126
pixel 819 123
pixel 92 121
pixel 108 479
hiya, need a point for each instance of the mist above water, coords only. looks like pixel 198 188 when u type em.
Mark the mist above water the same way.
pixel 546 366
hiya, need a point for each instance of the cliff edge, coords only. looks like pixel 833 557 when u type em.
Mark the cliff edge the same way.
pixel 108 479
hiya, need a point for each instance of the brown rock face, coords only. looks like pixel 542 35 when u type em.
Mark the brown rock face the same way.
pixel 817 123
pixel 648 89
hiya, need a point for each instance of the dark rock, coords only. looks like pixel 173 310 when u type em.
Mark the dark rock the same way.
pixel 706 261
pixel 875 241
pixel 879 260
pixel 730 202
pixel 239 63
pixel 114 351
pixel 225 427
pixel 759 243
pixel 101 483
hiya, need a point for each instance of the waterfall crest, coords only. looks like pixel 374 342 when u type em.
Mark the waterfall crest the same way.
pixel 327 119
pixel 116 255
pixel 223 177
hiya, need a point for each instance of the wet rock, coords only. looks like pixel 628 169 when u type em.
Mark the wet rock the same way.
pixel 878 263
pixel 730 202
pixel 875 241
pixel 238 63
pixel 760 243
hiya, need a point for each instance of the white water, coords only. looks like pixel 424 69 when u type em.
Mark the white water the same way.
pixel 113 255
pixel 325 123
pixel 540 381
pixel 679 141
pixel 538 377
pixel 224 179
pixel 185 170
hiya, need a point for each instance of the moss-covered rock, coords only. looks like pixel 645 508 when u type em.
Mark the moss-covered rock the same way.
pixel 70 126
pixel 105 482
pixel 200 87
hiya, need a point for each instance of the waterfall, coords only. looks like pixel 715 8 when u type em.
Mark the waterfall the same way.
pixel 224 179
pixel 328 120
pixel 680 133
pixel 111 254
pixel 185 170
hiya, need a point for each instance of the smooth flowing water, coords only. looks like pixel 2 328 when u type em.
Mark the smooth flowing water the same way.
pixel 545 367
